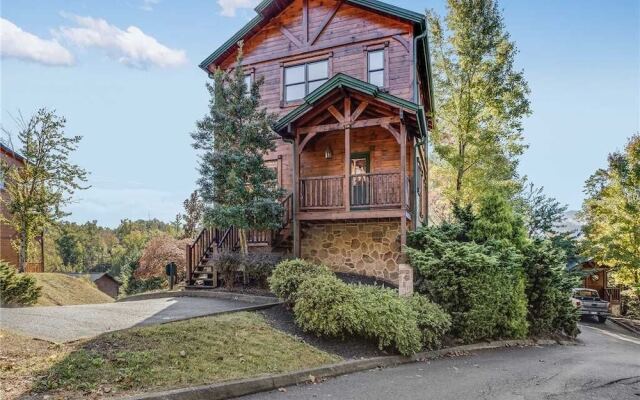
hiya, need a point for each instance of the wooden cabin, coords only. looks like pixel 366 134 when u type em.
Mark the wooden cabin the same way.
pixel 7 234
pixel 350 83
pixel 596 276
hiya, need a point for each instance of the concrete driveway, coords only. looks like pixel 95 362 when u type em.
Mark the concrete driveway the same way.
pixel 68 323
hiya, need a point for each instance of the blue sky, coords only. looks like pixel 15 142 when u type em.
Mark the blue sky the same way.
pixel 125 75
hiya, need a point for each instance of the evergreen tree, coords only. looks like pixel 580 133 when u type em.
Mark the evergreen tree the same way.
pixel 481 100
pixel 238 189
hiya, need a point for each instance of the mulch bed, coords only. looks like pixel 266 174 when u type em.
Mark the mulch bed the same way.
pixel 281 318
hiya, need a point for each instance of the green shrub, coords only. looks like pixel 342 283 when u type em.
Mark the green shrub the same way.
pixel 259 267
pixel 289 275
pixel 432 320
pixel 479 285
pixel 17 289
pixel 631 303
pixel 326 306
pixel 228 264
pixel 548 291
pixel 387 318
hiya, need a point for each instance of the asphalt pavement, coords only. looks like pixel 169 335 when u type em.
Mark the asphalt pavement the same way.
pixel 605 365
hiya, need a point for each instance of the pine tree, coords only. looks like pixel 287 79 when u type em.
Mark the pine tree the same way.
pixel 237 188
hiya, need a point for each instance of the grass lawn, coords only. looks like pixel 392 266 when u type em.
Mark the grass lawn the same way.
pixel 62 290
pixel 22 360
pixel 180 354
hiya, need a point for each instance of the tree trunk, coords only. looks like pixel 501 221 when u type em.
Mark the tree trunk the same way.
pixel 244 247
pixel 22 256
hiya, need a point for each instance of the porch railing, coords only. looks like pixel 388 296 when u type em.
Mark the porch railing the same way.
pixel 321 192
pixel 612 295
pixel 371 190
pixel 376 190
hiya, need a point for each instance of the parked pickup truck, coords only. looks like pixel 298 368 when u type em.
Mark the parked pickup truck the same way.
pixel 589 303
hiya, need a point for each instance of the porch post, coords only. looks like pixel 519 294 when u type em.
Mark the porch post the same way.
pixel 403 182
pixel 347 155
pixel 296 197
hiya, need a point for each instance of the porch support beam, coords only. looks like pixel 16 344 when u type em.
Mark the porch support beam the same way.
pixel 358 124
pixel 403 180
pixel 296 197
pixel 361 107
pixel 336 114
pixel 393 131
pixel 346 190
pixel 305 141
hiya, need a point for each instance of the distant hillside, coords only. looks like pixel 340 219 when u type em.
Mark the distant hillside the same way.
pixel 63 290
pixel 572 223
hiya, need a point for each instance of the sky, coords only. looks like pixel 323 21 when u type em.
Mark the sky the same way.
pixel 124 73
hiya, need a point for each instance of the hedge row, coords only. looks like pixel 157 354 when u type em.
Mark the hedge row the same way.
pixel 326 306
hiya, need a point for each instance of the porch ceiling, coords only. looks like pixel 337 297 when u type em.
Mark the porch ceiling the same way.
pixel 325 105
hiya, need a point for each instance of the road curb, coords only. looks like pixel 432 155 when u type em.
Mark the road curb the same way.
pixel 232 389
pixel 622 323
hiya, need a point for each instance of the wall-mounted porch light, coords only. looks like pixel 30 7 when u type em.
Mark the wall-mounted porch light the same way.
pixel 328 153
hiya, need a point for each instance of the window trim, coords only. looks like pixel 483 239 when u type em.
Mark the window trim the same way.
pixel 294 62
pixel 385 71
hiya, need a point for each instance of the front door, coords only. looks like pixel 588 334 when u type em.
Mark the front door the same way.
pixel 360 180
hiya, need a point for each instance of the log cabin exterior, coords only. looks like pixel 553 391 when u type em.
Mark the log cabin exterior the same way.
pixel 7 234
pixel 350 83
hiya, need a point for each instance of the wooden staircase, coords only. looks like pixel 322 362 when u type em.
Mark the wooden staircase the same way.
pixel 211 241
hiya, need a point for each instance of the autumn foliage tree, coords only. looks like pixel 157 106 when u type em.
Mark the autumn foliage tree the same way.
pixel 611 212
pixel 38 191
pixel 160 251
pixel 482 99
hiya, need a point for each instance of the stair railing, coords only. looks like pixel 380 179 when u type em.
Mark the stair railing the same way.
pixel 228 240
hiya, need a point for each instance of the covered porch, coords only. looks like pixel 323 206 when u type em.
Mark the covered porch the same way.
pixel 358 154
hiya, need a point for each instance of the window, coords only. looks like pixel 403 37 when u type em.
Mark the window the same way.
pixel 300 80
pixel 248 81
pixel 375 67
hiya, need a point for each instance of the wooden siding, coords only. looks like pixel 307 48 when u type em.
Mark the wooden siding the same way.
pixel 7 233
pixel 383 149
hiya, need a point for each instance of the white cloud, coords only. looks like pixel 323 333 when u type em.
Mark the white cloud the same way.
pixel 16 43
pixel 229 7
pixel 131 47
pixel 147 5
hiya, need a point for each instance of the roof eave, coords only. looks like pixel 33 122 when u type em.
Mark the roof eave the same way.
pixel 344 81
pixel 262 12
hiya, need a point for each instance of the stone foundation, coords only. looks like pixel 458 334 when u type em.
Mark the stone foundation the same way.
pixel 370 248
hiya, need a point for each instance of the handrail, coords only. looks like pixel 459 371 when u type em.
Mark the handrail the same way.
pixel 229 239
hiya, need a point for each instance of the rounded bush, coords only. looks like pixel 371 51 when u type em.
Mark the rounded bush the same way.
pixel 433 321
pixel 17 289
pixel 326 306
pixel 289 275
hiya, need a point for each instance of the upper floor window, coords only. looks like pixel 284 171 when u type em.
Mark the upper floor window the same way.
pixel 248 80
pixel 375 67
pixel 302 79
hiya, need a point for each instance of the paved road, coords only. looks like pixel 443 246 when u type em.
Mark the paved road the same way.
pixel 606 366
pixel 68 323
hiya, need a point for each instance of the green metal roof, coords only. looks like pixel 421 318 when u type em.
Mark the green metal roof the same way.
pixel 263 17
pixel 345 81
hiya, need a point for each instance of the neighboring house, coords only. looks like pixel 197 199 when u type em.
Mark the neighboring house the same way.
pixel 7 233
pixel 103 281
pixel 596 276
pixel 350 83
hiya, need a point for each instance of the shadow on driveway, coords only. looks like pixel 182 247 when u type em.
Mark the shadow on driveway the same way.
pixel 68 323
